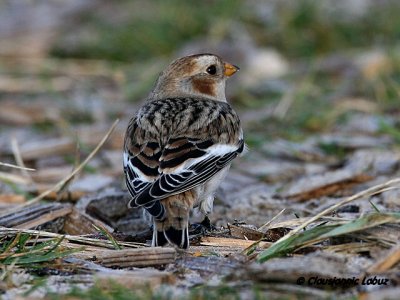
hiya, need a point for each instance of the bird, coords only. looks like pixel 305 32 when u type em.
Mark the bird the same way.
pixel 179 145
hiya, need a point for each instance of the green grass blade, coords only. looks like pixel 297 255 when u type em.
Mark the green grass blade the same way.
pixel 109 236
pixel 319 233
pixel 373 206
pixel 24 238
pixel 55 245
pixel 286 246
pixel 39 257
pixel 362 223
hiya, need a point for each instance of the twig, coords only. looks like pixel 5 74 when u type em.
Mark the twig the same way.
pixel 16 167
pixel 18 158
pixel 139 257
pixel 270 221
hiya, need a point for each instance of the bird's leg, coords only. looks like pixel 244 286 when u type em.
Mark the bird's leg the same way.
pixel 154 241
pixel 207 224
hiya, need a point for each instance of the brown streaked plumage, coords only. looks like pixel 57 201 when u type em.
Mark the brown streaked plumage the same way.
pixel 179 145
pixel 178 208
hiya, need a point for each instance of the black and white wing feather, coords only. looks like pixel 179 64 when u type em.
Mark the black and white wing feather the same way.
pixel 187 171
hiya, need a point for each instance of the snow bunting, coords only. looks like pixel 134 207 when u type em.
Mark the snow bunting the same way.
pixel 180 144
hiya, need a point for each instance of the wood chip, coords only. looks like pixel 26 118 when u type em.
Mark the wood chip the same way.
pixel 229 242
pixel 79 223
pixel 246 233
pixel 35 215
pixel 211 264
pixel 141 257
pixel 12 198
pixel 220 251
pixel 274 234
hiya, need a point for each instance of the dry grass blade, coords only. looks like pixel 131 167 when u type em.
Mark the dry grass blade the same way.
pixel 62 183
pixel 16 167
pixel 250 249
pixel 293 223
pixel 366 193
pixel 320 233
pixel 284 104
pixel 351 248
pixel 18 158
pixel 70 238
pixel 6 177
pixel 12 244
pixel 270 221
pixel 387 262
pixel 7 270
pixel 298 238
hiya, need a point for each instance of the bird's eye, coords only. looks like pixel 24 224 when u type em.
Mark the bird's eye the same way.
pixel 212 70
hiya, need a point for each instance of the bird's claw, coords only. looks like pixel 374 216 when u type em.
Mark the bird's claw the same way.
pixel 202 228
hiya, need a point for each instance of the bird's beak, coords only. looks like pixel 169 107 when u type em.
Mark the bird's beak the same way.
pixel 230 69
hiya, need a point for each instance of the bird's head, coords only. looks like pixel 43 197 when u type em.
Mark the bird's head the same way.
pixel 200 75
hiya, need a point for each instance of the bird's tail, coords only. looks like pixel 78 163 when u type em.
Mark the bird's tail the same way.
pixel 174 228
pixel 176 237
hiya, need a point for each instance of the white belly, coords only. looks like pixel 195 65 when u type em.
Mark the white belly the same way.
pixel 206 193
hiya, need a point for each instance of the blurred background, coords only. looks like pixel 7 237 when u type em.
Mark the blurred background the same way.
pixel 319 80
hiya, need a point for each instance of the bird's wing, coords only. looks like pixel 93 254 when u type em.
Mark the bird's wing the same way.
pixel 188 158
pixel 186 169
pixel 141 163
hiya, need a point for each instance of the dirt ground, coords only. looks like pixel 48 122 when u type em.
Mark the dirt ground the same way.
pixel 312 210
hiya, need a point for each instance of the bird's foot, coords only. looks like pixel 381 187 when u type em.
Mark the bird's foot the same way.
pixel 201 228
